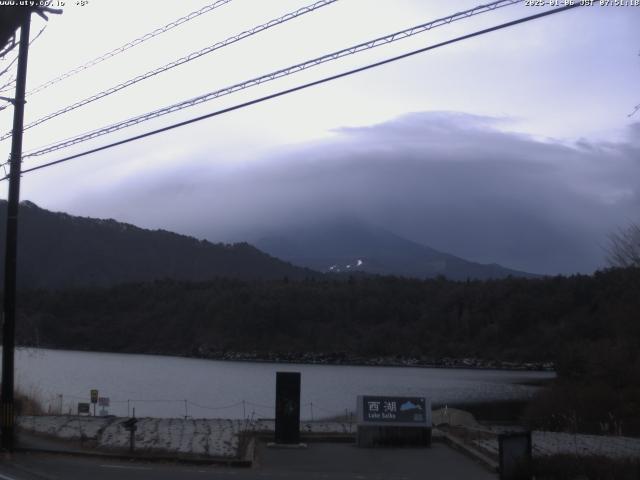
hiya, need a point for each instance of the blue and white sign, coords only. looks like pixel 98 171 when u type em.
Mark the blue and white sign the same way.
pixel 394 411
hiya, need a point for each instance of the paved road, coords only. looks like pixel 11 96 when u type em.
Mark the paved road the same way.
pixel 319 461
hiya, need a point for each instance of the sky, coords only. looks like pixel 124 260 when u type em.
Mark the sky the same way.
pixel 515 147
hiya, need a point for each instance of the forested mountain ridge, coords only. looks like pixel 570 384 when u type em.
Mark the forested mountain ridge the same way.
pixel 511 319
pixel 57 250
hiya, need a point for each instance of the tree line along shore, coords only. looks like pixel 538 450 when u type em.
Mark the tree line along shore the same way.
pixel 584 325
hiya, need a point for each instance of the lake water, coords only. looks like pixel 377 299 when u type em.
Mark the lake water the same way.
pixel 161 386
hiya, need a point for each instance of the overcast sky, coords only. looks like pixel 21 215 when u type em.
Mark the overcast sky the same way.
pixel 515 147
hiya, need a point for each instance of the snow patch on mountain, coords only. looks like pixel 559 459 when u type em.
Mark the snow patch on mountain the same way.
pixel 349 266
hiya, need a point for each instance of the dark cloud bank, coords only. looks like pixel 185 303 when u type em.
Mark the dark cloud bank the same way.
pixel 454 182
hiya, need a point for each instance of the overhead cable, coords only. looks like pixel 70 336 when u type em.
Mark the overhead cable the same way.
pixel 180 61
pixel 131 44
pixel 304 86
pixel 393 37
pixel 11 83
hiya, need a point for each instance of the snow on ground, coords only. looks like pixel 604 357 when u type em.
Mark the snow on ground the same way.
pixel 554 443
pixel 202 437
pixel 65 427
pixel 454 417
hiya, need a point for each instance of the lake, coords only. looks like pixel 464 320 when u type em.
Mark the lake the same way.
pixel 162 386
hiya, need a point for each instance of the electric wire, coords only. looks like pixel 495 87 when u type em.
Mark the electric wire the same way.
pixel 387 39
pixel 11 44
pixel 206 407
pixel 5 69
pixel 11 83
pixel 306 85
pixel 61 397
pixel 131 44
pixel 259 405
pixel 187 58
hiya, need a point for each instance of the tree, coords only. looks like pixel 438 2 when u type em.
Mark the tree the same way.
pixel 624 247
pixel 636 109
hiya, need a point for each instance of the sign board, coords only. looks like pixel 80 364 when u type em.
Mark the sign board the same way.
pixel 103 401
pixel 376 410
pixel 94 396
pixel 83 408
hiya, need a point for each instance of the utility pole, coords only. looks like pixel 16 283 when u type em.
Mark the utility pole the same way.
pixel 9 310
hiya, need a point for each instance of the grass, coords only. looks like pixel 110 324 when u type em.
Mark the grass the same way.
pixel 27 404
pixel 581 407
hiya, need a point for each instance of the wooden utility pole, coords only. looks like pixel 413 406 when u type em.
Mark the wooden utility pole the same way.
pixel 9 310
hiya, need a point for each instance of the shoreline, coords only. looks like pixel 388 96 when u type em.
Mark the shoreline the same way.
pixel 337 359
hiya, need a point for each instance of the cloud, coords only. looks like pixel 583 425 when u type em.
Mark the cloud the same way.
pixel 456 182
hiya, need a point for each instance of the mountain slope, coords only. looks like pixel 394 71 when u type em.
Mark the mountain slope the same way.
pixel 57 250
pixel 349 245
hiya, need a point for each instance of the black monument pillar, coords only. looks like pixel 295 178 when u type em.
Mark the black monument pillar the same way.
pixel 515 452
pixel 287 408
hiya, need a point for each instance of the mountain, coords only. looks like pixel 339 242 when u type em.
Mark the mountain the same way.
pixel 347 245
pixel 57 250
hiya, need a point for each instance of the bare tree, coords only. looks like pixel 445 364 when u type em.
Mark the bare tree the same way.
pixel 624 247
pixel 636 109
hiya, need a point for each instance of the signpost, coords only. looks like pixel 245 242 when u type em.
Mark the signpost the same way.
pixel 94 400
pixel 103 403
pixel 130 425
pixel 393 420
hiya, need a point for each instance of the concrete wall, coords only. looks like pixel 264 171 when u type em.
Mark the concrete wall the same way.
pixel 373 436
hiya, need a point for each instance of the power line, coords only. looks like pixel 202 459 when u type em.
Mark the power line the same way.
pixel 131 44
pixel 206 407
pixel 11 83
pixel 11 44
pixel 305 86
pixel 393 37
pixel 187 58
pixel 5 69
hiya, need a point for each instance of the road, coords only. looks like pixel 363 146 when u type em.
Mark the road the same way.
pixel 318 461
